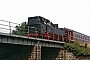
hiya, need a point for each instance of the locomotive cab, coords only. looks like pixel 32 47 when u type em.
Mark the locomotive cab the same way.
pixel 33 27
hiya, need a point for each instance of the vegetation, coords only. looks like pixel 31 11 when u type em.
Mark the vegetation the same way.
pixel 78 49
pixel 20 30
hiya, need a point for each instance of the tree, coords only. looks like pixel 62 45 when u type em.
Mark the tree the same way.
pixel 20 30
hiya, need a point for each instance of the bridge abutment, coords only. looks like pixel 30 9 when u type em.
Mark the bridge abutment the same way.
pixel 61 55
pixel 35 53
pixel 45 53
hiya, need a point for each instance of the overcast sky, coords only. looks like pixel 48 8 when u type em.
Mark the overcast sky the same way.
pixel 73 14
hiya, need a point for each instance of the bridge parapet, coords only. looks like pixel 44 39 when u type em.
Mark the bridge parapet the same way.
pixel 23 40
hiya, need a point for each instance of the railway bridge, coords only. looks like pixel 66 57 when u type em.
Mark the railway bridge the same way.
pixel 17 47
pixel 39 49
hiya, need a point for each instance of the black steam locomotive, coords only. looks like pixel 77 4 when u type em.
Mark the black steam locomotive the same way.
pixel 42 28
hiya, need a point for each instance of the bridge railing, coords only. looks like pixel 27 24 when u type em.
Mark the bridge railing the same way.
pixel 15 28
pixel 7 26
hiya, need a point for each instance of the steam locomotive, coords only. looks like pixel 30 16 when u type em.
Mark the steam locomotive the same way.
pixel 41 27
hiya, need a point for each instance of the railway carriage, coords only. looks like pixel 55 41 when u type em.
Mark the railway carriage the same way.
pixel 71 35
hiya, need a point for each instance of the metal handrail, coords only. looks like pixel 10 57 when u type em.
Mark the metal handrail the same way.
pixel 9 21
pixel 4 28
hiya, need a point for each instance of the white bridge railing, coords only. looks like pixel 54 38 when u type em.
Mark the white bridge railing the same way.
pixel 7 26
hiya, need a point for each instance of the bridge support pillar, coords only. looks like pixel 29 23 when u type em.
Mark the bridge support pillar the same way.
pixel 35 54
pixel 61 55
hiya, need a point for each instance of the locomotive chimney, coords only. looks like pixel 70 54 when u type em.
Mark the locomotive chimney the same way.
pixel 56 25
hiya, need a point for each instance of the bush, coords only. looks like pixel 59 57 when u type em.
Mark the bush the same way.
pixel 78 49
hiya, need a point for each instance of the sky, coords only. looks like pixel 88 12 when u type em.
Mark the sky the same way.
pixel 73 14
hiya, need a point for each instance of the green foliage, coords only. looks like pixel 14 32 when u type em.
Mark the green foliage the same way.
pixel 20 30
pixel 77 49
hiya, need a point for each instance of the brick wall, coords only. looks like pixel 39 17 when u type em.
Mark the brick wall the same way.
pixel 70 56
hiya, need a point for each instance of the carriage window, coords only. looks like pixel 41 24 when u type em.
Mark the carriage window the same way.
pixel 81 37
pixel 85 38
pixel 88 38
pixel 76 35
